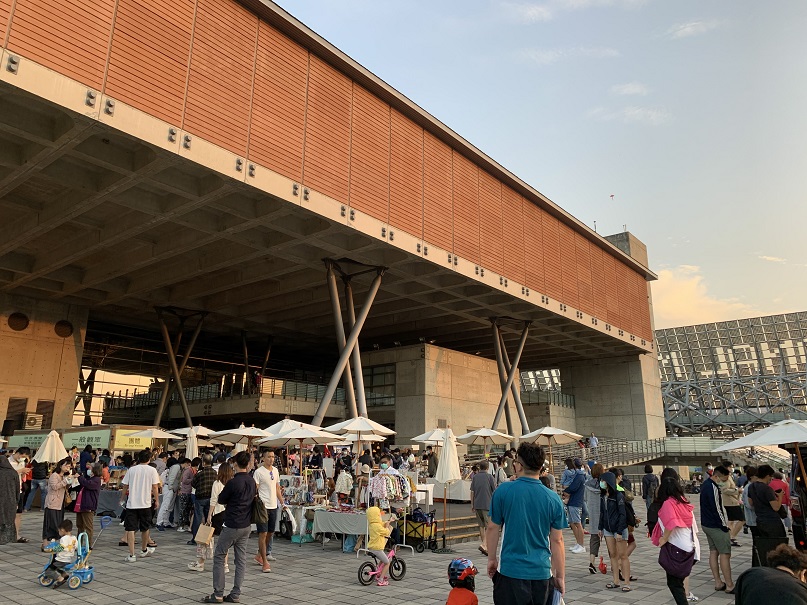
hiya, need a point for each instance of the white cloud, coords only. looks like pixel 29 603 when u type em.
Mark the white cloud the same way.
pixel 526 13
pixel 772 259
pixel 630 115
pixel 581 4
pixel 693 28
pixel 543 57
pixel 631 88
pixel 682 298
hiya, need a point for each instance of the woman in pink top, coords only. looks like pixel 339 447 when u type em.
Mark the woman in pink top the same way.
pixel 54 501
pixel 676 525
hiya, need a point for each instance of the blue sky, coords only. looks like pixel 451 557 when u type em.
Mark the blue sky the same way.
pixel 692 114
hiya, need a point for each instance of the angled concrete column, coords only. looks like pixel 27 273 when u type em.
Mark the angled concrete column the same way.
pixel 347 350
pixel 361 400
pixel 350 394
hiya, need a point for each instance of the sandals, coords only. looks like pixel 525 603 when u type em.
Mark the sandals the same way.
pixel 22 540
pixel 483 551
pixel 720 588
pixel 632 578
pixel 611 585
pixel 626 589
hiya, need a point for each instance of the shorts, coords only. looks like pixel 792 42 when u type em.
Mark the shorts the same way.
pixel 519 592
pixel 719 540
pixel 271 522
pixel 381 556
pixel 609 534
pixel 137 519
pixel 482 517
pixel 735 513
pixel 575 514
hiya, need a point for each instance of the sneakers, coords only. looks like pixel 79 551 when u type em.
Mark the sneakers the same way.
pixel 195 566
pixel 269 557
pixel 130 558
pixel 577 549
pixel 181 529
pixel 384 582
pixel 148 552
pixel 226 569
pixel 266 569
pixel 692 597
pixel 258 559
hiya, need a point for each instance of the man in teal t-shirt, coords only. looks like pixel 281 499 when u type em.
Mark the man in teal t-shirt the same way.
pixel 530 517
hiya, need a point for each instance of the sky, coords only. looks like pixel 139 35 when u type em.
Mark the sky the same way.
pixel 692 114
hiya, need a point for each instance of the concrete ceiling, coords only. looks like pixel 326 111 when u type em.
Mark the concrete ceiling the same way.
pixel 92 217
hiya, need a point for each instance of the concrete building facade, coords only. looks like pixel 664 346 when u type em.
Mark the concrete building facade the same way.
pixel 203 157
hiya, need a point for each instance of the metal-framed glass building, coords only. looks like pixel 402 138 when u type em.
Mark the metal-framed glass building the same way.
pixel 733 376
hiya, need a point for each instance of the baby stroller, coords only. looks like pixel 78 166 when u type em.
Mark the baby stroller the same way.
pixel 421 530
pixel 80 572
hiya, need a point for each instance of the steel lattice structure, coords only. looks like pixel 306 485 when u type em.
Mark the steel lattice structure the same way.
pixel 733 376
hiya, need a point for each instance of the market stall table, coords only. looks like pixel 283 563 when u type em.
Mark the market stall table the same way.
pixel 459 490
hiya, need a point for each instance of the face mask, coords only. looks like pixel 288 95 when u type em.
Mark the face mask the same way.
pixel 89 472
pixel 384 466
pixel 603 484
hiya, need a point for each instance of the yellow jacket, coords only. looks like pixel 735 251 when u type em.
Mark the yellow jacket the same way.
pixel 378 531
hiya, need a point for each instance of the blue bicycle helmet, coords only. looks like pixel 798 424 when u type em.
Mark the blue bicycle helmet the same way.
pixel 460 570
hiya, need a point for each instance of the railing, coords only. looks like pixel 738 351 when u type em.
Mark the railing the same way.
pixel 550 397
pixel 275 388
pixel 610 452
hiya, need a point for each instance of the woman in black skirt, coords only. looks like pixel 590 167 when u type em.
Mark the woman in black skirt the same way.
pixel 54 502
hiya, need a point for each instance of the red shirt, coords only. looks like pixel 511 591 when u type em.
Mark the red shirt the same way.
pixel 779 484
pixel 461 596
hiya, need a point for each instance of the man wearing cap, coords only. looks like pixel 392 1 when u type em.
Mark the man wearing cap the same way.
pixel 575 491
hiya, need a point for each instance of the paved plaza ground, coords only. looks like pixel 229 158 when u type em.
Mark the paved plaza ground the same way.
pixel 311 574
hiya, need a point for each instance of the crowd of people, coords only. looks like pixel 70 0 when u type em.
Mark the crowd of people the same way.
pixel 520 507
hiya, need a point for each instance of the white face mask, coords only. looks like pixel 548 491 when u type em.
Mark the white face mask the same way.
pixel 89 472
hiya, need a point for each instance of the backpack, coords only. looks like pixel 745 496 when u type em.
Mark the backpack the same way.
pixel 630 514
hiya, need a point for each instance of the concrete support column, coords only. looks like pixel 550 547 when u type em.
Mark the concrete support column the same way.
pixel 617 397
pixel 39 364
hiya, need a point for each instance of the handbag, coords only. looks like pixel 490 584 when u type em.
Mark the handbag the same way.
pixel 204 534
pixel 260 516
pixel 675 561
pixel 68 499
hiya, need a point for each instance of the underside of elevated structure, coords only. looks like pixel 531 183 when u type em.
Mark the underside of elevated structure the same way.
pixel 227 190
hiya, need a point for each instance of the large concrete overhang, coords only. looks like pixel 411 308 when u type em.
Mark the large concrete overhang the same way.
pixel 90 215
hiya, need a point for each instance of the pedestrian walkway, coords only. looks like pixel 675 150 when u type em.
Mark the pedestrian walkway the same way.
pixel 311 574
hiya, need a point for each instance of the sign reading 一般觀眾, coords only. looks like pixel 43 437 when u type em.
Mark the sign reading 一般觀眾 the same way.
pixel 32 440
pixel 98 439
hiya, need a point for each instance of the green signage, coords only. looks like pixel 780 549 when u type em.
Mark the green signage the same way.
pixel 98 439
pixel 32 440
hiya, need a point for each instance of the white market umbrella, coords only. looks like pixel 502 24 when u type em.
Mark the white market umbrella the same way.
pixel 785 431
pixel 485 436
pixel 200 442
pixel 347 440
pixel 448 471
pixel 287 424
pixel 432 437
pixel 782 432
pixel 198 430
pixel 361 427
pixel 51 450
pixel 241 435
pixel 155 433
pixel 191 447
pixel 301 436
pixel 549 436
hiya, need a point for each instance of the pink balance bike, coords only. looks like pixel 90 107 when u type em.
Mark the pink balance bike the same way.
pixel 371 570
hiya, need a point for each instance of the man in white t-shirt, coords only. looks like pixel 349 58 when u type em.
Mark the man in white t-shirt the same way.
pixel 267 480
pixel 141 490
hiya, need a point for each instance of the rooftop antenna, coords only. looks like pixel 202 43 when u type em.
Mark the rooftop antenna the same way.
pixel 624 228
pixel 595 226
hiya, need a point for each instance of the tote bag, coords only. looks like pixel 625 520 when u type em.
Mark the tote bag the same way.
pixel 204 534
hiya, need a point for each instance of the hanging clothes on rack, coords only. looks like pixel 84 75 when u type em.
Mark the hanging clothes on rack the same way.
pixel 344 483
pixel 389 486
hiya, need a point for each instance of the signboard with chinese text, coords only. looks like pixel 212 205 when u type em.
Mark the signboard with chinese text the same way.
pixel 98 439
pixel 124 442
pixel 32 440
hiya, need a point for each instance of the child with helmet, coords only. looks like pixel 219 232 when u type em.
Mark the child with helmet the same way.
pixel 461 574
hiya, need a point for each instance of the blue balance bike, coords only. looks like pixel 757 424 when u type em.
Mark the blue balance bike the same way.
pixel 80 572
